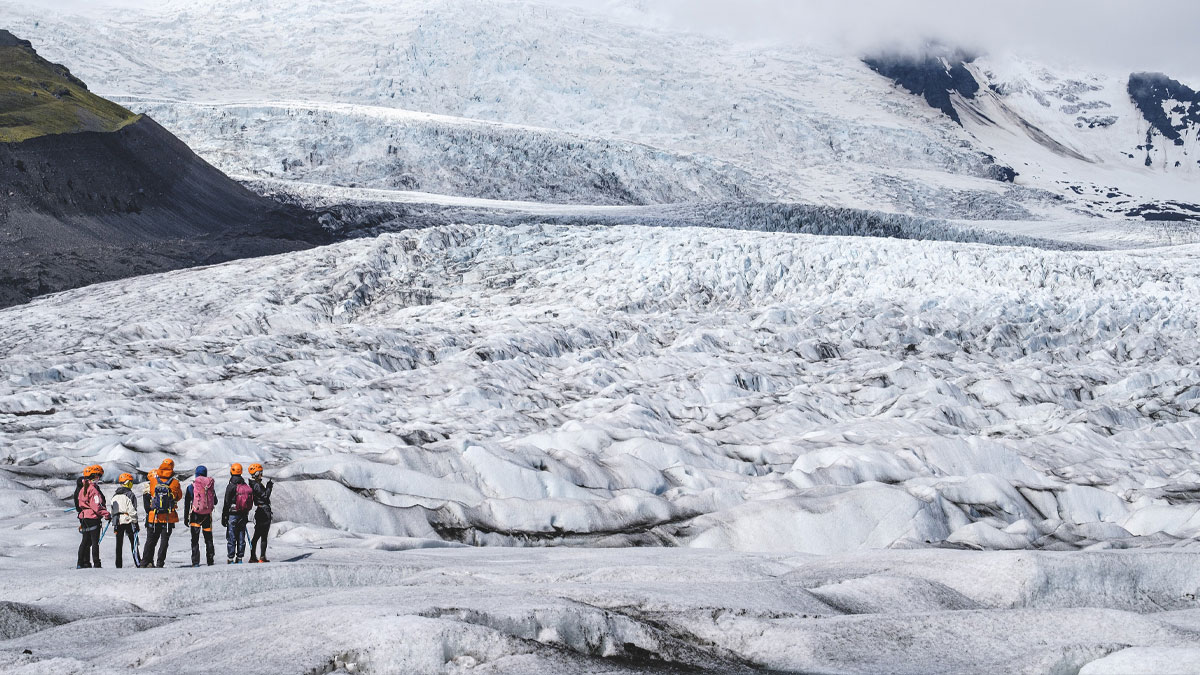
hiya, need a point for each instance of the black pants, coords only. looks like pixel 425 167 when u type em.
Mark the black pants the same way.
pixel 201 525
pixel 158 535
pixel 262 527
pixel 89 546
pixel 124 531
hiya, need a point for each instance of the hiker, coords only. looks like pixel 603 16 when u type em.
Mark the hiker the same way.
pixel 262 512
pixel 125 511
pixel 198 505
pixel 239 497
pixel 165 493
pixel 90 506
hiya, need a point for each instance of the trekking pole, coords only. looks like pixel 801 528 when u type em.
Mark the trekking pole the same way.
pixel 137 546
pixel 105 530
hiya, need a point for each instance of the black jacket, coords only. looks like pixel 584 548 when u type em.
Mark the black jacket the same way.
pixel 231 495
pixel 262 496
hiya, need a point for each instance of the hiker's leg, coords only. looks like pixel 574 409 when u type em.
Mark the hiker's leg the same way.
pixel 152 534
pixel 120 534
pixel 164 541
pixel 209 551
pixel 195 529
pixel 82 560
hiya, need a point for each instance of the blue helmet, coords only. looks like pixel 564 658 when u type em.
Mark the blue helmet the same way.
pixel 202 470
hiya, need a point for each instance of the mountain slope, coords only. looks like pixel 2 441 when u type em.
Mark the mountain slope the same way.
pixel 38 97
pixel 785 123
pixel 113 194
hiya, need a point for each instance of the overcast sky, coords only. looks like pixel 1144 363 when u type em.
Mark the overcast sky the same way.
pixel 1109 34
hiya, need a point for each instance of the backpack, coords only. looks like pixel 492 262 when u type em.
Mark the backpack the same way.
pixel 243 499
pixel 204 498
pixel 79 506
pixel 161 500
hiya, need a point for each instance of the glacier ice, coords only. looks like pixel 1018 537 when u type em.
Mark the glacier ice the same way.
pixel 546 384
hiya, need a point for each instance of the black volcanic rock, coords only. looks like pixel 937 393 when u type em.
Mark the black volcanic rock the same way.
pixel 934 75
pixel 7 39
pixel 79 208
pixel 1150 90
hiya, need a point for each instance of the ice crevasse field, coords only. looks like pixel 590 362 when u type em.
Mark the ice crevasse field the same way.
pixel 759 396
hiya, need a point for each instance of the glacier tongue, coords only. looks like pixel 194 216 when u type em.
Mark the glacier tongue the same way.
pixel 630 385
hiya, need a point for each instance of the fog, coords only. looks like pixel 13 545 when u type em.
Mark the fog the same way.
pixel 1094 34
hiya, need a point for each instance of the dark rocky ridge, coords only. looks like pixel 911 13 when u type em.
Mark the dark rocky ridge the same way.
pixel 1150 90
pixel 80 208
pixel 7 39
pixel 934 75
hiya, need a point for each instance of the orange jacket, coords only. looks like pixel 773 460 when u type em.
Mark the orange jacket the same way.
pixel 176 492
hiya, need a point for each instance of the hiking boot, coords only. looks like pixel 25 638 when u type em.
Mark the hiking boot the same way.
pixel 263 560
pixel 252 559
pixel 229 561
pixel 238 561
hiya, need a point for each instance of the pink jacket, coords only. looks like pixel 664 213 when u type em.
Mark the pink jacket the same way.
pixel 92 502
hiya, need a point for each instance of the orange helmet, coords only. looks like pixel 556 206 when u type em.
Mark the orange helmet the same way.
pixel 93 470
pixel 167 468
pixel 255 469
pixel 125 478
pixel 235 469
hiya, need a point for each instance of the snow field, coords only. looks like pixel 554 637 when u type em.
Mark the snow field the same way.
pixel 630 385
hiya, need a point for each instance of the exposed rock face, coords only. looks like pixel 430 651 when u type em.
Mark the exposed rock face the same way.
pixel 935 75
pixel 92 206
pixel 1170 106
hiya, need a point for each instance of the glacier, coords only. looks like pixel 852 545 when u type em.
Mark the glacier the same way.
pixel 459 96
pixel 644 351
pixel 628 385
pixel 809 453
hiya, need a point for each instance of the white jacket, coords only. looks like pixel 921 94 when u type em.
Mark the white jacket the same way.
pixel 124 509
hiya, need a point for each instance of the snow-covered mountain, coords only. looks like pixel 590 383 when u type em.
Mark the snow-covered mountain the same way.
pixel 332 94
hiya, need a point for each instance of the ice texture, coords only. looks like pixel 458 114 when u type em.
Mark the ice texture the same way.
pixel 576 104
pixel 627 385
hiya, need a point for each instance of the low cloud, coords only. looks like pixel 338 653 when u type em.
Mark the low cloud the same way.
pixel 1103 34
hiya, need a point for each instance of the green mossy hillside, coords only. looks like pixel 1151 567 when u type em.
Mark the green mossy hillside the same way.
pixel 38 98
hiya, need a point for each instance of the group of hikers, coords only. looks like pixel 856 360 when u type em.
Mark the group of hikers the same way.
pixel 160 499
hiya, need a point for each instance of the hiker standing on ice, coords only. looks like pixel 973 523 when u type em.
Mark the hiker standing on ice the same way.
pixel 198 505
pixel 262 512
pixel 125 511
pixel 239 497
pixel 164 493
pixel 89 503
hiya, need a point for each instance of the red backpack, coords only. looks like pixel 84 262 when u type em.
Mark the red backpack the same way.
pixel 243 499
pixel 204 497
